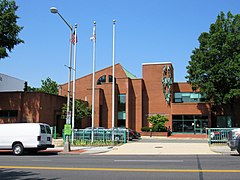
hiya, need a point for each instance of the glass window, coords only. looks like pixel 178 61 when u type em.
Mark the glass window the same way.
pixel 189 123
pixel 101 80
pixel 121 110
pixel 188 97
pixel 110 78
pixel 178 95
pixel 43 130
pixel 8 113
pixel 48 130
pixel 224 121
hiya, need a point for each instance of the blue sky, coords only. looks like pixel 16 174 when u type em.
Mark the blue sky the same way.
pixel 146 31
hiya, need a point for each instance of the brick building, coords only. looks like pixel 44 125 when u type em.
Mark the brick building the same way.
pixel 137 98
pixel 34 107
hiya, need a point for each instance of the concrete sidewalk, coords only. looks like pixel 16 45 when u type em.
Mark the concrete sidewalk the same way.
pixel 137 148
pixel 155 146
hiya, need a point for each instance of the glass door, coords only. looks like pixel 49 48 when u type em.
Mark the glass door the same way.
pixel 200 126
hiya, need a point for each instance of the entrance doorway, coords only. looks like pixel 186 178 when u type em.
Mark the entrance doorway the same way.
pixel 200 125
pixel 189 124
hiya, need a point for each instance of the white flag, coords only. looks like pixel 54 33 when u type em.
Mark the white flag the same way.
pixel 93 38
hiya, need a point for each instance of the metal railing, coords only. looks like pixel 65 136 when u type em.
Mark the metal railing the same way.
pixel 99 135
pixel 54 132
pixel 218 135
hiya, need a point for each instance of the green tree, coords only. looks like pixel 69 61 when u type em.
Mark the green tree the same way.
pixel 49 86
pixel 214 67
pixel 9 29
pixel 82 110
pixel 158 122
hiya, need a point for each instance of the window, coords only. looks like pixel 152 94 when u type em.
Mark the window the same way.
pixel 48 130
pixel 43 130
pixel 224 121
pixel 8 113
pixel 188 97
pixel 110 78
pixel 121 110
pixel 101 80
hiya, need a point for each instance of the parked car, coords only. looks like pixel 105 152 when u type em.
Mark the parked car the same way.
pixel 234 139
pixel 131 134
pixel 134 134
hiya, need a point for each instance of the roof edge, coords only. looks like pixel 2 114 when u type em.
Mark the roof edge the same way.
pixel 156 63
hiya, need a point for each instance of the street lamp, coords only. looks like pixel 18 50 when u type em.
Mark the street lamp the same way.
pixel 54 10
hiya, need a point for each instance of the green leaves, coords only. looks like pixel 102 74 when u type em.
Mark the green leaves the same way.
pixel 215 66
pixel 158 122
pixel 9 29
pixel 82 110
pixel 49 86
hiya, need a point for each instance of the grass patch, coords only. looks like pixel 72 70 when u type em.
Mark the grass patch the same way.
pixel 95 143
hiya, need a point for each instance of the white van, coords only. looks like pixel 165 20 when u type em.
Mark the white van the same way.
pixel 28 137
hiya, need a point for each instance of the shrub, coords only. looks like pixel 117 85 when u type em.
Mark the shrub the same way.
pixel 158 122
pixel 145 128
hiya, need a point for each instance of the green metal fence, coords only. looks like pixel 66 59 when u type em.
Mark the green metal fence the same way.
pixel 54 132
pixel 99 135
pixel 218 135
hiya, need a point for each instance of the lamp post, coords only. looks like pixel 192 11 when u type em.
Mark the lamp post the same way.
pixel 54 10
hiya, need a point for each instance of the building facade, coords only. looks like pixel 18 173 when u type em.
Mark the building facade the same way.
pixel 135 100
pixel 138 98
pixel 32 107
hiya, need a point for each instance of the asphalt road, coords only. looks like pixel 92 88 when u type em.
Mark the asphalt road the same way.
pixel 45 166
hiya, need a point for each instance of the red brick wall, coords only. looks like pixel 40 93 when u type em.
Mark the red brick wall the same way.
pixel 135 105
pixel 190 108
pixel 103 93
pixel 10 101
pixel 32 106
pixel 154 100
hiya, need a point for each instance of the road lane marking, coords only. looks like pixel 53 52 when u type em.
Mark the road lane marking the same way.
pixel 125 169
pixel 41 160
pixel 129 160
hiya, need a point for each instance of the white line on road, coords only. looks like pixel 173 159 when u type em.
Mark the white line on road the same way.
pixel 41 160
pixel 148 160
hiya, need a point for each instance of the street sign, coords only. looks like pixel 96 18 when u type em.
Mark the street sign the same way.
pixel 68 119
pixel 67 129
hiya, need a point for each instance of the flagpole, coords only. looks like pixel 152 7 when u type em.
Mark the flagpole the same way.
pixel 113 82
pixel 74 80
pixel 93 38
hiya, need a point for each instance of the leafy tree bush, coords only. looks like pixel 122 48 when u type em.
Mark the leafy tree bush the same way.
pixel 145 128
pixel 158 122
pixel 49 86
pixel 8 27
pixel 214 67
pixel 82 110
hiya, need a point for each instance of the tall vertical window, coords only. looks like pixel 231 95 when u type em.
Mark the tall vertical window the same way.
pixel 110 78
pixel 121 110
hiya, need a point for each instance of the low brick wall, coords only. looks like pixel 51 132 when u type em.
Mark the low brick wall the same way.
pixel 153 133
